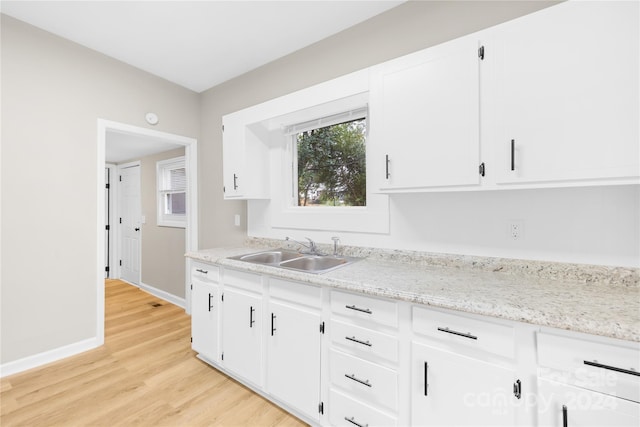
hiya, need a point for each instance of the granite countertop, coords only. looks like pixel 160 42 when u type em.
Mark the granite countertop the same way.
pixel 588 301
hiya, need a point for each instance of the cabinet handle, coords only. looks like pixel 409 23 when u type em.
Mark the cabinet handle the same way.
pixel 367 343
pixel 353 421
pixel 565 416
pixel 235 181
pixel 362 310
pixel 517 389
pixel 513 154
pixel 353 377
pixel 612 368
pixel 201 271
pixel 386 167
pixel 210 306
pixel 273 318
pixel 251 321
pixel 460 334
pixel 426 379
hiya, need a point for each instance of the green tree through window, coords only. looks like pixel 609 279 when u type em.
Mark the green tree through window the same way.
pixel 332 165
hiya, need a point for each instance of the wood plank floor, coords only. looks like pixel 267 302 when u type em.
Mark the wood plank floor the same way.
pixel 145 375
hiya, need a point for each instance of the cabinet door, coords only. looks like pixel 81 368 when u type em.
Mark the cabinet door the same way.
pixel 241 334
pixel 205 299
pixel 567 82
pixel 425 118
pixel 233 154
pixel 293 349
pixel 453 390
pixel 562 405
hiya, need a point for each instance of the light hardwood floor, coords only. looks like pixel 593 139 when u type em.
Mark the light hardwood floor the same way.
pixel 145 375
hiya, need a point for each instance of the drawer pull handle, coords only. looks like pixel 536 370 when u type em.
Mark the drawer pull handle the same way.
pixel 387 174
pixel 426 379
pixel 201 271
pixel 565 416
pixel 362 310
pixel 251 321
pixel 517 389
pixel 513 154
pixel 358 380
pixel 612 368
pixel 354 422
pixel 210 306
pixel 367 343
pixel 273 320
pixel 460 334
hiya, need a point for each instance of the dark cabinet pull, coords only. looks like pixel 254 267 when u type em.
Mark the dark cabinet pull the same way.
pixel 362 310
pixel 386 167
pixel 358 380
pixel 235 181
pixel 201 271
pixel 612 368
pixel 353 421
pixel 210 306
pixel 273 318
pixel 367 343
pixel 426 379
pixel 513 154
pixel 251 321
pixel 565 417
pixel 137 229
pixel 460 334
pixel 517 389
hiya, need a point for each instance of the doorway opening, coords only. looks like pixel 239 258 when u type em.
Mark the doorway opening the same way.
pixel 118 145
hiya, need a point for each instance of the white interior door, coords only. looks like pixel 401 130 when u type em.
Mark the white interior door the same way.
pixel 130 212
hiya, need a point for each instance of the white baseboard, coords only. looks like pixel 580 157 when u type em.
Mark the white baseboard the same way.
pixel 49 356
pixel 180 302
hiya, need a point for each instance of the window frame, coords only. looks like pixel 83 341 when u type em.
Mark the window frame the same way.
pixel 162 168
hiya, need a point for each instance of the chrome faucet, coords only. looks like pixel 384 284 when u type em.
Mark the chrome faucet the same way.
pixel 312 248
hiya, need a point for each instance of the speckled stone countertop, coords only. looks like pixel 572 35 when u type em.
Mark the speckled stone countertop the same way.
pixel 591 299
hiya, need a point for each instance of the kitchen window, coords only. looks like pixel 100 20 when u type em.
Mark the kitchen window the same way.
pixel 172 192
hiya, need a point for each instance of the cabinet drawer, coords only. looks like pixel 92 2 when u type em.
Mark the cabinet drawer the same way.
pixel 365 308
pixel 364 342
pixel 364 380
pixel 474 333
pixel 206 272
pixel 348 412
pixel 239 279
pixel 607 368
pixel 295 292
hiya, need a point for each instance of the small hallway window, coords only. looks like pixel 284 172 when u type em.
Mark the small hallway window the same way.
pixel 172 192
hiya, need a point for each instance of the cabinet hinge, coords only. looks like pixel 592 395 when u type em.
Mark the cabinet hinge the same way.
pixel 107 186
pixel 517 389
pixel 222 297
pixel 106 227
pixel 192 286
pixel 321 407
pixel 120 178
pixel 222 356
pixel 120 263
pixel 481 52
pixel 120 220
pixel 106 269
pixel 481 169
pixel 224 189
pixel 322 328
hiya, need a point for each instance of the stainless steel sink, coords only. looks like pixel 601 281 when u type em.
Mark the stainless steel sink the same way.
pixel 283 258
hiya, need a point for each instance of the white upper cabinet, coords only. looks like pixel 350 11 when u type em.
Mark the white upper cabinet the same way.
pixel 565 91
pixel 425 118
pixel 245 159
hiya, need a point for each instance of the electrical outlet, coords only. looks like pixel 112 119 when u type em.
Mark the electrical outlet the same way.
pixel 516 229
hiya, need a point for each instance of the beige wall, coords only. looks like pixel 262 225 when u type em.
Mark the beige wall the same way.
pixel 163 248
pixel 53 91
pixel 407 28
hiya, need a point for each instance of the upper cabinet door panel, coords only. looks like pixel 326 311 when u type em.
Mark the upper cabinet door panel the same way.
pixel 425 118
pixel 566 81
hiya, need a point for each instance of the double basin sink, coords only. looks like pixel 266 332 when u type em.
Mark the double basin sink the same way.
pixel 291 260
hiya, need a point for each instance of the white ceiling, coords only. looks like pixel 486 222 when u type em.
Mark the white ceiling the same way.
pixel 196 44
pixel 122 146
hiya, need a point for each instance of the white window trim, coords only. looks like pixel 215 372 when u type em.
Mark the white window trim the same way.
pixel 168 220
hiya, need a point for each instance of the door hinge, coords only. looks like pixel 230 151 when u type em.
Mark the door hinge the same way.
pixel 322 328
pixel 107 186
pixel 120 263
pixel 517 389
pixel 321 407
pixel 481 52
pixel 224 189
pixel 191 339
pixel 481 169
pixel 192 286
pixel 222 128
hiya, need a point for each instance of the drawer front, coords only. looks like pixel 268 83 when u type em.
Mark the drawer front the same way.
pixel 206 272
pixel 458 329
pixel 606 368
pixel 295 292
pixel 348 412
pixel 365 308
pixel 239 279
pixel 366 381
pixel 364 342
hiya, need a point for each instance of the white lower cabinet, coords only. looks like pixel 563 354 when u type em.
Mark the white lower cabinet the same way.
pixel 205 308
pixel 346 411
pixel 293 351
pixel 448 389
